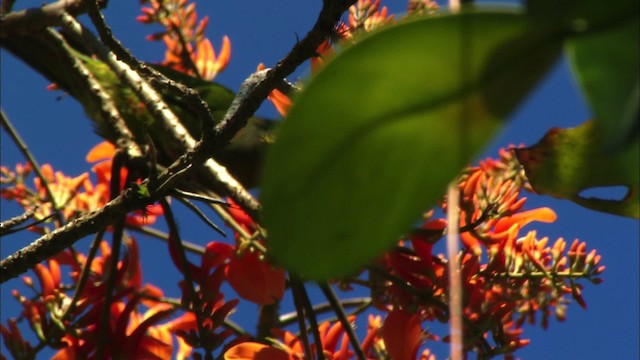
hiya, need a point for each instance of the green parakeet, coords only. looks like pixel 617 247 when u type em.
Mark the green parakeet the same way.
pixel 242 156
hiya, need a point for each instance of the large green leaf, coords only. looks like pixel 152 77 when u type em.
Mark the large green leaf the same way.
pixel 567 162
pixel 607 65
pixel 581 16
pixel 375 137
pixel 604 49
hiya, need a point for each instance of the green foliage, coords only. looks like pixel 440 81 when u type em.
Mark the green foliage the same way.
pixel 603 46
pixel 607 66
pixel 376 136
pixel 569 161
pixel 380 131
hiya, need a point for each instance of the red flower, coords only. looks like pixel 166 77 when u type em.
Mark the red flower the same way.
pixel 255 351
pixel 402 334
pixel 254 279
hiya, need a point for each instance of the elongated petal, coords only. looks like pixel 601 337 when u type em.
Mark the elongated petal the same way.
pixel 543 214
pixel 402 334
pixel 104 150
pixel 255 351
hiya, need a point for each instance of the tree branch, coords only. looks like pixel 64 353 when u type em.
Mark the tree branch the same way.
pixel 258 86
pixel 172 126
pixel 27 21
pixel 7 226
pixel 254 91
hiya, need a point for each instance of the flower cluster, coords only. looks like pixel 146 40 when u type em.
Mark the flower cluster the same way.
pixel 422 7
pixel 71 196
pixel 69 319
pixel 242 264
pixel 286 346
pixel 50 193
pixel 364 16
pixel 367 15
pixel 188 49
pixel 509 276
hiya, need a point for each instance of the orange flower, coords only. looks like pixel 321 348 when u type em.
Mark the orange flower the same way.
pixel 521 219
pixel 279 99
pixel 325 52
pixel 63 188
pixel 181 34
pixel 367 15
pixel 255 351
pixel 207 63
pixel 372 342
pixel 49 277
pixel 471 242
pixel 103 154
pixel 184 323
pixel 291 347
pixel 103 151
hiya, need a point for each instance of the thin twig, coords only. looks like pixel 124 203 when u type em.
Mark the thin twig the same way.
pixel 193 298
pixel 342 316
pixel 17 139
pixel 185 54
pixel 201 215
pixel 267 320
pixel 112 274
pixel 106 35
pixel 223 212
pixel 84 276
pixel 404 285
pixel 27 226
pixel 360 309
pixel 31 20
pixel 453 266
pixel 155 233
pixel 313 321
pixel 461 127
pixel 288 318
pixel 484 216
pixel 302 326
pixel 200 197
pixel 227 323
pixel 110 286
pixel 7 225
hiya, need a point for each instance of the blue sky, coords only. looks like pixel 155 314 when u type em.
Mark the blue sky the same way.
pixel 263 31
